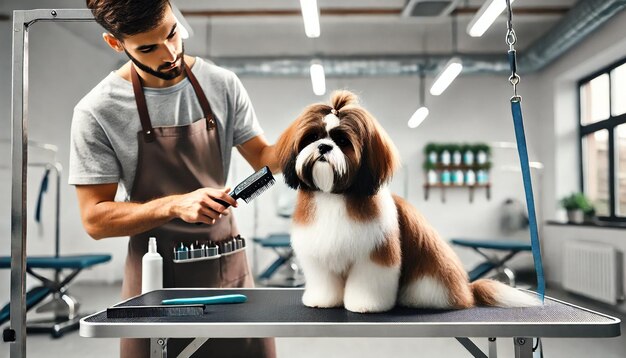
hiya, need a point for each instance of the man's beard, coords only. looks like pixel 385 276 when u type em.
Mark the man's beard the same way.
pixel 169 75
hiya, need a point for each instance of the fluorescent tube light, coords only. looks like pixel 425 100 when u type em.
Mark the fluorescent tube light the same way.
pixel 311 17
pixel 418 117
pixel 487 14
pixel 445 78
pixel 182 24
pixel 318 79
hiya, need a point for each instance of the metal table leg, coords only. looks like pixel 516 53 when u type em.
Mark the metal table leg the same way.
pixel 192 347
pixel 471 347
pixel 493 348
pixel 523 347
pixel 158 347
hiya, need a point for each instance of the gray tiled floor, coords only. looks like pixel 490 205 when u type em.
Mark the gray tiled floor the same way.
pixel 96 297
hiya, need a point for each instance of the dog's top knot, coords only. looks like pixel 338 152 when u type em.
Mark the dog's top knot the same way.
pixel 343 98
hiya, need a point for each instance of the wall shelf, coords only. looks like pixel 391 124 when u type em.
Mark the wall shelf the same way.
pixel 444 187
pixel 457 165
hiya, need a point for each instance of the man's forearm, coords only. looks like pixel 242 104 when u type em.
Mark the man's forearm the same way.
pixel 269 158
pixel 111 219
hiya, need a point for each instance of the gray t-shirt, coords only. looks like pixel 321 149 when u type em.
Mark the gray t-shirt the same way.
pixel 104 145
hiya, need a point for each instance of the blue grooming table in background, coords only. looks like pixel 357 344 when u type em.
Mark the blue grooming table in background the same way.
pixel 35 295
pixel 511 248
pixel 281 244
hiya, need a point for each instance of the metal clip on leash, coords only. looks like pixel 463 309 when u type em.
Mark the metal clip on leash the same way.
pixel 511 39
pixel 520 137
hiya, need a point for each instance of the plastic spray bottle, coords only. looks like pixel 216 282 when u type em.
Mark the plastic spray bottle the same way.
pixel 151 268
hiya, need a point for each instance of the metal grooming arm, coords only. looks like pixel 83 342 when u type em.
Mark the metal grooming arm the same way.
pixel 23 20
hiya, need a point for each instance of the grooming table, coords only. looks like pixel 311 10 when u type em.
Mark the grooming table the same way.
pixel 281 244
pixel 278 312
pixel 57 287
pixel 510 248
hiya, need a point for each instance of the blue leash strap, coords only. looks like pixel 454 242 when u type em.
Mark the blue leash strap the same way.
pixel 516 109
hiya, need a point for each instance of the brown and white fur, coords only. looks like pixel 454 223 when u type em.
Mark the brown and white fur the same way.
pixel 359 245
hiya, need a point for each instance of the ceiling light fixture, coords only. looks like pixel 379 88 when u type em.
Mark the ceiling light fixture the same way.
pixel 422 112
pixel 444 79
pixel 318 78
pixel 418 117
pixel 485 17
pixel 311 17
pixel 451 70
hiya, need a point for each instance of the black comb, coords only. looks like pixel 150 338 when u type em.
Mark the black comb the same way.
pixel 252 186
pixel 155 311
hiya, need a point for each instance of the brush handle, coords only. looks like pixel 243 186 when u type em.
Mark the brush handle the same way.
pixel 221 202
pixel 210 300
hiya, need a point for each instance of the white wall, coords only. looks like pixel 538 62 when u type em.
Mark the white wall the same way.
pixel 557 95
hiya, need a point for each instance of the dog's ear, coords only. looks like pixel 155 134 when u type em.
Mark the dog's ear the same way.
pixel 287 153
pixel 289 172
pixel 379 160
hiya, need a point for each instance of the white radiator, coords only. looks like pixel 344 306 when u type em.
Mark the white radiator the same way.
pixel 594 270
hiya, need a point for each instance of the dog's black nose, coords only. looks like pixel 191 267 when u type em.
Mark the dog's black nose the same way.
pixel 324 148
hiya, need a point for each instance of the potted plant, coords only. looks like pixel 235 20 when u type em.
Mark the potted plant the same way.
pixel 432 152
pixel 482 151
pixel 468 154
pixel 445 154
pixel 576 205
pixel 457 157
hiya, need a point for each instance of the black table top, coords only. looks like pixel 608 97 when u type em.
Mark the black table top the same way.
pixel 280 312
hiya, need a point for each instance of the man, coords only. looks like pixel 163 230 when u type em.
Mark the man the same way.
pixel 157 134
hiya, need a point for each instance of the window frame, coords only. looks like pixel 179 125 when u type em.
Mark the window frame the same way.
pixel 610 125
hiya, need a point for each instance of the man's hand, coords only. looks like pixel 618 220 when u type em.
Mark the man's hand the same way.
pixel 200 206
pixel 103 217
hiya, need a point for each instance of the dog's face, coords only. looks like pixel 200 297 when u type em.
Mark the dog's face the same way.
pixel 341 151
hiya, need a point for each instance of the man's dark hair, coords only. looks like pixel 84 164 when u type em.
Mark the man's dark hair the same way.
pixel 128 17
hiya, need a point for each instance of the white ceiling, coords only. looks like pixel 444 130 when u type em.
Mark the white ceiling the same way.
pixel 276 36
pixel 354 34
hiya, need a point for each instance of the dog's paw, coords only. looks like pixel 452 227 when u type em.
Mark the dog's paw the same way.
pixel 321 299
pixel 364 304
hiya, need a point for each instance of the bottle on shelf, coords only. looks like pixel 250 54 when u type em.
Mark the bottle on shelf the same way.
pixel 468 157
pixel 457 157
pixel 432 177
pixel 445 157
pixel 445 177
pixel 470 177
pixel 458 177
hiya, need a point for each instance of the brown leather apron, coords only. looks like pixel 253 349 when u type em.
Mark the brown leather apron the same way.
pixel 178 160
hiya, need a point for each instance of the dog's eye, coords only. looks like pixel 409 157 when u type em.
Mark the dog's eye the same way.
pixel 310 138
pixel 341 141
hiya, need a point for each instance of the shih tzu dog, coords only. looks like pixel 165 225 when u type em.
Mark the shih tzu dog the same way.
pixel 359 245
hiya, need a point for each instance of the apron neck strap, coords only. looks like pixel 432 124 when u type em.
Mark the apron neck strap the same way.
pixel 204 102
pixel 140 99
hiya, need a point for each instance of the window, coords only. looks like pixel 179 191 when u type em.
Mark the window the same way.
pixel 603 140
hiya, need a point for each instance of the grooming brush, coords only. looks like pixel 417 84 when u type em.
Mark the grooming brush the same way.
pixel 210 300
pixel 190 306
pixel 252 186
